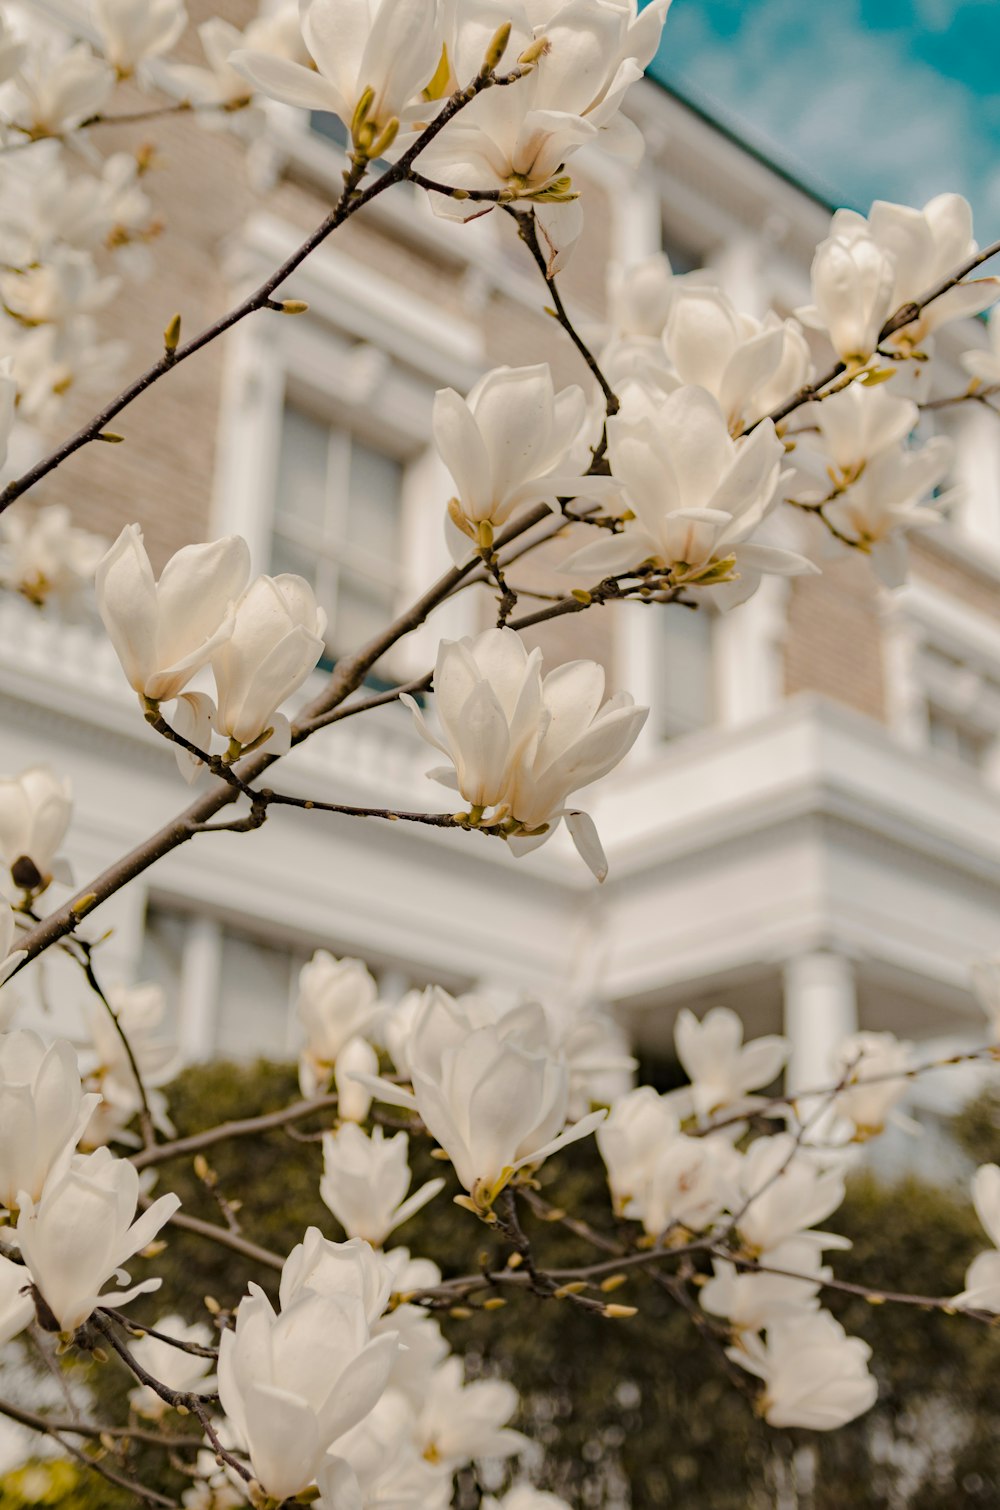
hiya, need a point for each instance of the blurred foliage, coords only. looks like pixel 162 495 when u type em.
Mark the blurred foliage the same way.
pixel 643 1412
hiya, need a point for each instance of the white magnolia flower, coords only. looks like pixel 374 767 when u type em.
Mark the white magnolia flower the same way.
pixel 51 360
pixel 277 33
pixel 582 1033
pixel 459 1422
pixel 875 1067
pixel 8 396
pixel 722 1069
pixel 982 1279
pixel 66 286
pixel 518 139
pixel 42 553
pixel 520 745
pixel 525 1497
pixel 784 1192
pixel 687 1184
pixel 10 958
pixel 925 247
pixel 35 810
pixel 487 697
pixel 52 206
pixel 422 1347
pixel 134 30
pixel 638 1125
pixel 107 1068
pixel 57 88
pixel 891 496
pixel 741 361
pixel 81 1231
pixel 17 1308
pixel 43 1112
pixel 496 1099
pixel 750 1302
pixel 276 640
pixel 696 495
pixel 165 631
pixel 814 1374
pixel 13 51
pixel 853 284
pixel 356 1058
pixel 983 366
pixel 986 985
pixel 378 1466
pixel 337 1001
pixel 353 1268
pixel 640 297
pixel 389 47
pixel 365 1180
pixel 581 738
pixel 514 441
pixel 293 1383
pixel 172 1366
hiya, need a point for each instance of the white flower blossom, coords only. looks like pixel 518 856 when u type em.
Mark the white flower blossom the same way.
pixel 814 1374
pixel 496 1099
pixel 391 48
pixel 43 555
pixel 10 958
pixel 365 1180
pixel 853 281
pixel 139 1011
pixel 458 1421
pixel 276 640
pixel 43 1112
pixel 337 1001
pixel 356 1058
pixel 751 1301
pixel 58 87
pixel 783 1191
pixel 697 497
pixel 875 1067
pixel 172 1366
pixel 134 30
pixel 165 631
pixel 721 1067
pixel 982 1278
pixel 520 745
pixel 82 1229
pixel 35 810
pixel 326 1268
pixel 514 441
pixel 17 1309
pixel 293 1383
pixel 925 247
pixel 378 1465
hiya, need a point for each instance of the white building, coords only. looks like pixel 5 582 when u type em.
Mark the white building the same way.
pixel 810 829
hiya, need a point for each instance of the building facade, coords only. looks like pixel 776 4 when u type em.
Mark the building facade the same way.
pixel 809 827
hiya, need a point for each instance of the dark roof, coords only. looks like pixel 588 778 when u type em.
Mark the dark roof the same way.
pixel 736 132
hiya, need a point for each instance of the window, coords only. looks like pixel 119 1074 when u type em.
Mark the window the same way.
pixel 231 990
pixel 957 737
pixel 685 670
pixel 337 522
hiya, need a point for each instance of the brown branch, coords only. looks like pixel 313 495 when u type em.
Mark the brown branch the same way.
pixel 227 1239
pixel 244 1128
pixel 903 316
pixel 59 1430
pixel 349 203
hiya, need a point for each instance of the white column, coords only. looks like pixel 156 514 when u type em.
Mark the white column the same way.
pixel 821 1010
pixel 197 1029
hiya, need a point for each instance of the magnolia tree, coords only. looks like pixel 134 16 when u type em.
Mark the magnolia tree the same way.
pixel 331 1382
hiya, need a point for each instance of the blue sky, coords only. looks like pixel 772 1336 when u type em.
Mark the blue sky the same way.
pixel 862 99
